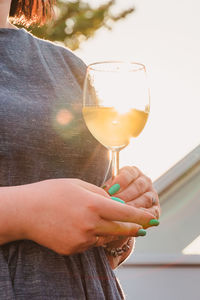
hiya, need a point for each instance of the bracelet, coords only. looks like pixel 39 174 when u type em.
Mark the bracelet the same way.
pixel 118 251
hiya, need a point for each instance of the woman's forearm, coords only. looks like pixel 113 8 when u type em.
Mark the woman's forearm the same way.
pixel 12 214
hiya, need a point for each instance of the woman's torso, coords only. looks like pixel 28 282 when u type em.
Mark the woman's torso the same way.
pixel 43 135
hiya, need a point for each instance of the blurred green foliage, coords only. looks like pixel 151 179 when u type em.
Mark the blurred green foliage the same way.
pixel 76 21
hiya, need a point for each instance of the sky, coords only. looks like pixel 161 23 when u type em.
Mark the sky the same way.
pixel 163 35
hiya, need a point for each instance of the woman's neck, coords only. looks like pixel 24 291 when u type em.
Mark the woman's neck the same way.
pixel 4 13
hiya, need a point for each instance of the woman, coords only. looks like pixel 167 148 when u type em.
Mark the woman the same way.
pixel 53 217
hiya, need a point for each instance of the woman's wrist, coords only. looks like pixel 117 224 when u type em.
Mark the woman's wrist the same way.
pixel 128 252
pixel 118 251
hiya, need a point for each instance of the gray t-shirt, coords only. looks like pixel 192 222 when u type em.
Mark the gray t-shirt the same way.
pixel 43 135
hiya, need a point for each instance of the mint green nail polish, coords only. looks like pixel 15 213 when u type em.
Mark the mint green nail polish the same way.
pixel 115 188
pixel 118 199
pixel 141 232
pixel 154 222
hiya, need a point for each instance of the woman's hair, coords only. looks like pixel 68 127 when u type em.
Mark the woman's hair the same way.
pixel 28 12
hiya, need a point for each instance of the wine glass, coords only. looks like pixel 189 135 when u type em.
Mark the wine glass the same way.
pixel 116 104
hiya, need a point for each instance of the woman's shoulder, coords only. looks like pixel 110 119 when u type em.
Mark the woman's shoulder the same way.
pixel 59 53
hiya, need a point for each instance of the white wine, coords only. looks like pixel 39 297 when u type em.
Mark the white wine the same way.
pixel 111 128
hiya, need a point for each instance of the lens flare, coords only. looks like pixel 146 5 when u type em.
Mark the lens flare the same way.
pixel 64 117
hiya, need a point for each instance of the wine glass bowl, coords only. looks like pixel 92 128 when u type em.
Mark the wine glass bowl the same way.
pixel 115 103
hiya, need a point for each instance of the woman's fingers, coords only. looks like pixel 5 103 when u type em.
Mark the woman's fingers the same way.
pixel 108 209
pixel 146 200
pixel 154 210
pixel 149 201
pixel 105 228
pixel 135 188
pixel 124 178
pixel 102 240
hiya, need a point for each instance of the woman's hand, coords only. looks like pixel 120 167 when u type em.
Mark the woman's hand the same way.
pixel 67 215
pixel 135 189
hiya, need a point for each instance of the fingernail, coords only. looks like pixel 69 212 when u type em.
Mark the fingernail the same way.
pixel 118 199
pixel 154 222
pixel 141 232
pixel 115 188
pixel 104 187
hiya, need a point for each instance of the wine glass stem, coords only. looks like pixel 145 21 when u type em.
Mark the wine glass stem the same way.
pixel 115 163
